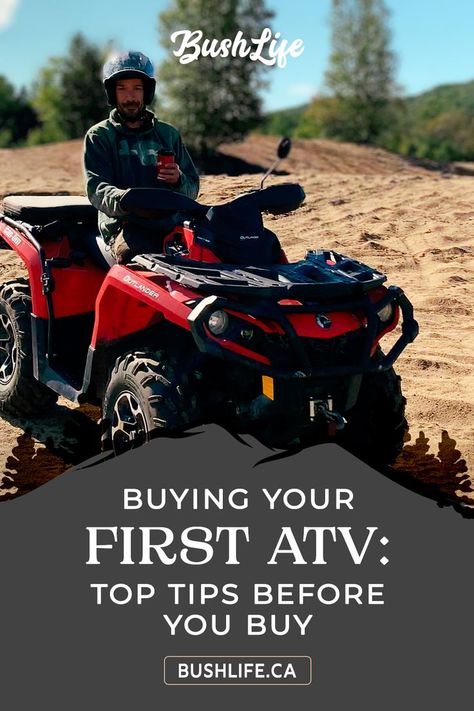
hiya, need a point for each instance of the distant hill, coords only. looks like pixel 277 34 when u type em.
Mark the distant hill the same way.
pixel 437 124
pixel 440 123
pixel 442 99
pixel 427 105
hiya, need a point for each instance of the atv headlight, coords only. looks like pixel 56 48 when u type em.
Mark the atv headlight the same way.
pixel 386 313
pixel 218 322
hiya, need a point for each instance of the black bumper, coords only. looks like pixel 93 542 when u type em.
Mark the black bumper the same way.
pixel 301 365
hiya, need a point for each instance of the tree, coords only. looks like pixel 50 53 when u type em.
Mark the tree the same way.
pixel 212 99
pixel 282 122
pixel 321 119
pixel 361 71
pixel 47 100
pixel 68 93
pixel 446 137
pixel 17 116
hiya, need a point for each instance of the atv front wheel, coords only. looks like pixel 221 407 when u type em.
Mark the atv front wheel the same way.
pixel 20 393
pixel 376 425
pixel 146 396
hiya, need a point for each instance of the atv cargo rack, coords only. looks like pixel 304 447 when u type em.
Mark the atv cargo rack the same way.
pixel 322 276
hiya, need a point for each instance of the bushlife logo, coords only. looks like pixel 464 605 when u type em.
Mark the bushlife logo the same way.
pixel 269 48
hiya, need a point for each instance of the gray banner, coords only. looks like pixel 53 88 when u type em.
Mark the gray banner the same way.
pixel 287 588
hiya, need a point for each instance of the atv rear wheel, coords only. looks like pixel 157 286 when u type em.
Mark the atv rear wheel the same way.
pixel 376 425
pixel 146 396
pixel 20 393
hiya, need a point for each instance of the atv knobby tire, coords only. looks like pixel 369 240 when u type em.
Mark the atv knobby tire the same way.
pixel 376 425
pixel 147 395
pixel 20 393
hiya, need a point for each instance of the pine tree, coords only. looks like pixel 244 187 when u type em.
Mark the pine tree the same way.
pixel 17 116
pixel 361 70
pixel 212 100
pixel 81 87
pixel 68 93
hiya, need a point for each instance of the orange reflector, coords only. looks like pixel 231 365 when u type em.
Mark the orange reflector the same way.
pixel 267 386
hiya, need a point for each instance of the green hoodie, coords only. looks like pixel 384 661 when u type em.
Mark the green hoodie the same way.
pixel 117 158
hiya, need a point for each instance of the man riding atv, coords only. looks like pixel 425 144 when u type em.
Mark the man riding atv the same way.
pixel 210 323
pixel 122 152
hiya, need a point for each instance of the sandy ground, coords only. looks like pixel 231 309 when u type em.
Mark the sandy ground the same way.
pixel 415 225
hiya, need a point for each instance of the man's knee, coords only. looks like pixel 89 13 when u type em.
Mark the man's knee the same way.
pixel 129 242
pixel 120 249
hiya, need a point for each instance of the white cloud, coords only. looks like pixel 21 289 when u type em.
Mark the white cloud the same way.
pixel 7 11
pixel 302 91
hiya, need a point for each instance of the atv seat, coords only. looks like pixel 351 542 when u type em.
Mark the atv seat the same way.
pixel 43 209
pixel 52 215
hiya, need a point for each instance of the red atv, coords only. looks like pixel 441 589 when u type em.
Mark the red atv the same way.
pixel 219 327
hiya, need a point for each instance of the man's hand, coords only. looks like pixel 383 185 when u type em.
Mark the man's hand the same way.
pixel 169 173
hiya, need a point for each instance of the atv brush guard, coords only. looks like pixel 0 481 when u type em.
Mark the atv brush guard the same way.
pixel 334 277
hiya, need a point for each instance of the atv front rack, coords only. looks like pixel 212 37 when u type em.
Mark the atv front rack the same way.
pixel 323 276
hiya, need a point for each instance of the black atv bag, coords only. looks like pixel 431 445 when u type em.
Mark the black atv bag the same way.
pixel 234 231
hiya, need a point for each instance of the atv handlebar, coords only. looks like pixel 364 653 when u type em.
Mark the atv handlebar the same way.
pixel 160 202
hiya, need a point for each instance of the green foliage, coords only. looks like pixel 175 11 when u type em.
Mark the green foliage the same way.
pixel 282 123
pixel 441 99
pixel 446 137
pixel 212 99
pixel 323 118
pixel 17 116
pixel 47 101
pixel 363 105
pixel 68 93
pixel 440 124
pixel 360 76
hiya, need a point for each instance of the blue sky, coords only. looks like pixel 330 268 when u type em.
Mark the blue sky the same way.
pixel 432 38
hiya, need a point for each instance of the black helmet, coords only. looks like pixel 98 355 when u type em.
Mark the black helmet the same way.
pixel 129 65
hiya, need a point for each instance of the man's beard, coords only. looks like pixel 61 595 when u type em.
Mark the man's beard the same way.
pixel 131 111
